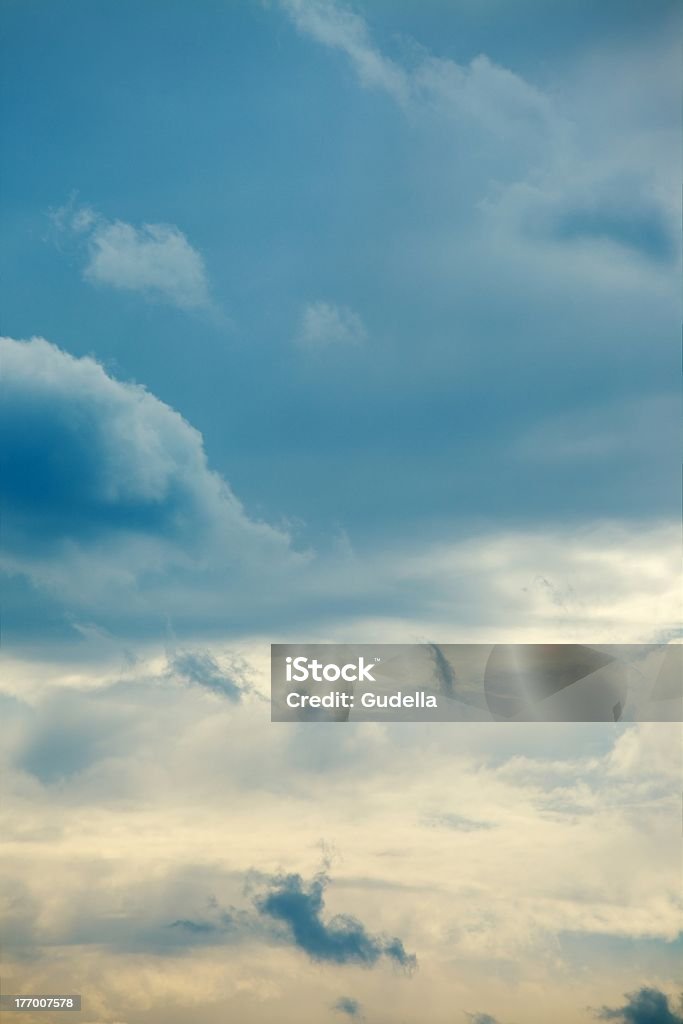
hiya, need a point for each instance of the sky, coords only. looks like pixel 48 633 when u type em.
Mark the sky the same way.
pixel 348 323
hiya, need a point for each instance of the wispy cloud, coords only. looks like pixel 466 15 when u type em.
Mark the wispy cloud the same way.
pixel 342 29
pixel 156 260
pixel 324 325
pixel 494 95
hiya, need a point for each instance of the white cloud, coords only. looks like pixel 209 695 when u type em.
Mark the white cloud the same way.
pixel 154 259
pixel 342 29
pixel 599 583
pixel 324 324
pixel 498 97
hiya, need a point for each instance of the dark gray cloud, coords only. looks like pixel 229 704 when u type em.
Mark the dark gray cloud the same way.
pixel 349 1007
pixel 646 1006
pixel 342 939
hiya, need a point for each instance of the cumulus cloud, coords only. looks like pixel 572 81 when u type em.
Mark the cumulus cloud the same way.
pixel 646 1006
pixel 154 259
pixel 324 325
pixel 105 485
pixel 342 939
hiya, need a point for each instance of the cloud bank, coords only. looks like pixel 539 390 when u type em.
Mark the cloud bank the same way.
pixel 114 520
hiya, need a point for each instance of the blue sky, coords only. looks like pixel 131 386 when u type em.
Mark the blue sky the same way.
pixel 410 271
pixel 335 323
pixel 511 255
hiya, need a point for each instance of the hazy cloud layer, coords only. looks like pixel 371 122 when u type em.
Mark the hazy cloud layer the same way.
pixel 98 779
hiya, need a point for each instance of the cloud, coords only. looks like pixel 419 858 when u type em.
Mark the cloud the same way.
pixel 482 1018
pixel 482 90
pixel 613 210
pixel 499 99
pixel 546 173
pixel 646 1006
pixel 342 940
pixel 154 259
pixel 108 490
pixel 114 521
pixel 339 28
pixel 349 1007
pixel 151 829
pixel 324 325
pixel 69 733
